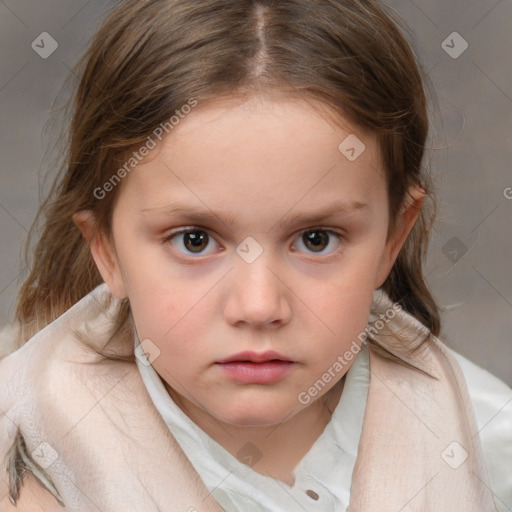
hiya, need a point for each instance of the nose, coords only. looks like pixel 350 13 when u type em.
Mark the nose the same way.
pixel 257 295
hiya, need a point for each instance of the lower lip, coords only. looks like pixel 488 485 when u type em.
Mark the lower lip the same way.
pixel 257 373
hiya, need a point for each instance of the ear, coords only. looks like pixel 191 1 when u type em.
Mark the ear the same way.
pixel 413 203
pixel 103 252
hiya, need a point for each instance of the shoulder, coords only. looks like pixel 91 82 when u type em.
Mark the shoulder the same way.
pixel 69 414
pixel 492 402
pixel 67 348
pixel 55 375
pixel 52 384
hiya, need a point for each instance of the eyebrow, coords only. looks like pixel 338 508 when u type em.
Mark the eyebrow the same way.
pixel 337 208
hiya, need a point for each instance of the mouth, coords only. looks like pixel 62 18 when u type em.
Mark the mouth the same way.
pixel 254 357
pixel 253 368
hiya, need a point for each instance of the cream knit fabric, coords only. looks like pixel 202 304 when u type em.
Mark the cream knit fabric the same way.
pixel 94 428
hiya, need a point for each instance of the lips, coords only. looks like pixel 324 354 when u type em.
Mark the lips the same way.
pixel 256 368
pixel 254 357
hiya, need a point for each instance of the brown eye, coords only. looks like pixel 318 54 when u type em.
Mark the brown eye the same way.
pixel 190 241
pixel 317 240
pixel 195 241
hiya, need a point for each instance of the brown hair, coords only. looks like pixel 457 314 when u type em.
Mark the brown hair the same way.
pixel 151 57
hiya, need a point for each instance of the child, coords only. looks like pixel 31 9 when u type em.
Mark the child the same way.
pixel 226 309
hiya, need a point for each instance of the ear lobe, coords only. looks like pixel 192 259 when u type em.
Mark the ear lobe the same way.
pixel 102 251
pixel 406 220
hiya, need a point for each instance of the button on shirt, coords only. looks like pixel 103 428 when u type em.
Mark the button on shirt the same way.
pixel 323 476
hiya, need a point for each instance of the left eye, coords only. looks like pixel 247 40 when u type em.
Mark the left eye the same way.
pixel 316 240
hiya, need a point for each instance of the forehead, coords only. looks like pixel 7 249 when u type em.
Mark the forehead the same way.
pixel 257 152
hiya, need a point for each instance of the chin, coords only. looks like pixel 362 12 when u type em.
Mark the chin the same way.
pixel 253 422
pixel 262 416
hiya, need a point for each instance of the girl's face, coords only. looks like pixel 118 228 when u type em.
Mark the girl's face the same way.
pixel 285 244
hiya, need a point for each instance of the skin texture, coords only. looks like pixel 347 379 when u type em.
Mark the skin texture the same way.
pixel 259 162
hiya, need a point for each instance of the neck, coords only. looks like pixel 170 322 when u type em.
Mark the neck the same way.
pixel 276 449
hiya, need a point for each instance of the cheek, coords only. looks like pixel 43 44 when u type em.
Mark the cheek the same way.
pixel 344 313
pixel 169 318
pixel 174 318
pixel 338 306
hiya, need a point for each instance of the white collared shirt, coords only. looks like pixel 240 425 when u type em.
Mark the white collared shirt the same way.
pixel 323 477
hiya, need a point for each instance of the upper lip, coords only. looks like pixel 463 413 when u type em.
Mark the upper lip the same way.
pixel 255 357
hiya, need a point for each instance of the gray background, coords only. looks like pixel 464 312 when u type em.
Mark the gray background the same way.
pixel 471 252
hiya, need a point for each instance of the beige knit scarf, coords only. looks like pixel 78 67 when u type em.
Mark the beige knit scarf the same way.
pixel 90 433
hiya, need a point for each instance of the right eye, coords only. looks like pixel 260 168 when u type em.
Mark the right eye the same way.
pixel 189 241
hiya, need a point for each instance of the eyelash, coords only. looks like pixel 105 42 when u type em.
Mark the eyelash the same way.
pixel 195 229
